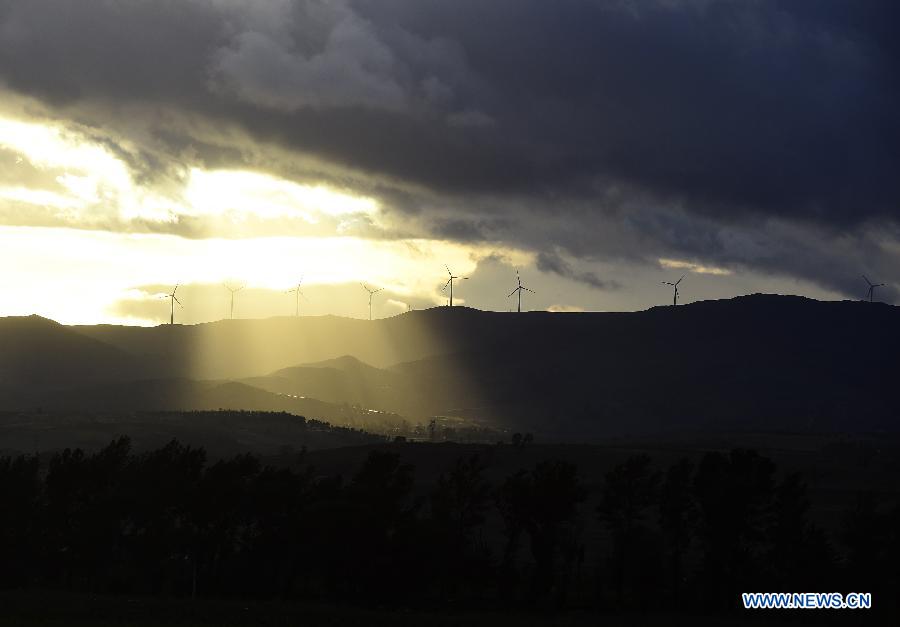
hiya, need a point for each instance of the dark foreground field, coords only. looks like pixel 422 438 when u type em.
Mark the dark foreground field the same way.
pixel 444 534
pixel 58 609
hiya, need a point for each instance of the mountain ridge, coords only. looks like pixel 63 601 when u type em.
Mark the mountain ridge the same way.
pixel 759 361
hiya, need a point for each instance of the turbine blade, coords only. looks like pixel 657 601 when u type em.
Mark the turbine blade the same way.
pixel 681 279
pixel 867 279
pixel 513 292
pixel 529 290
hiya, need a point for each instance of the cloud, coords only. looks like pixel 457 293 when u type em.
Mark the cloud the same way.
pixel 553 263
pixel 470 118
pixel 693 267
pixel 730 106
pixel 749 136
pixel 352 68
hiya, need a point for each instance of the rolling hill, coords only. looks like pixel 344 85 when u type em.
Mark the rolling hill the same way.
pixel 754 363
pixel 35 351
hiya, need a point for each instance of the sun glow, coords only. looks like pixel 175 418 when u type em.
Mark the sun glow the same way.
pixel 81 180
pixel 84 234
pixel 242 193
pixel 86 184
pixel 77 276
pixel 48 146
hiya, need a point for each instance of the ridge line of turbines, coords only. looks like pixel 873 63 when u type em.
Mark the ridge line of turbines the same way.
pixel 520 287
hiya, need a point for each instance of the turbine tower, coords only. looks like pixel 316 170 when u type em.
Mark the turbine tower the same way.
pixel 520 289
pixel 233 290
pixel 450 283
pixel 371 294
pixel 675 287
pixel 870 293
pixel 299 293
pixel 173 299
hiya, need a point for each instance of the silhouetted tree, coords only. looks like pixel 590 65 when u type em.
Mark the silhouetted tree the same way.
pixel 677 519
pixel 85 512
pixel 513 502
pixel 162 522
pixel 871 533
pixel 459 505
pixel 800 556
pixel 20 500
pixel 629 492
pixel 544 504
pixel 222 520
pixel 375 520
pixel 162 487
pixel 280 501
pixel 734 494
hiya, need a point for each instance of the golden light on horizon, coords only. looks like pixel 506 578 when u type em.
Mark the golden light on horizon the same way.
pixel 86 239
pixel 76 276
pixel 91 248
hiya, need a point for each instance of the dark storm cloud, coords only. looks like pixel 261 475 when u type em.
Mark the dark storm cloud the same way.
pixel 551 262
pixel 717 116
pixel 731 107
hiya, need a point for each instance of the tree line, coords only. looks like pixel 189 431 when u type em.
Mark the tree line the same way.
pixel 167 522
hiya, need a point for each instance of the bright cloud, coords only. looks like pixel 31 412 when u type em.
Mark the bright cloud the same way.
pixel 86 185
pixel 242 193
pixel 693 267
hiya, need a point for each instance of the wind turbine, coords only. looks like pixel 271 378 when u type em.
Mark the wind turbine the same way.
pixel 299 294
pixel 173 300
pixel 520 289
pixel 871 291
pixel 233 290
pixel 371 294
pixel 450 283
pixel 675 286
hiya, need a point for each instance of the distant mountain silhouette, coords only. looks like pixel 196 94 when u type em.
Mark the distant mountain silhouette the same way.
pixel 758 362
pixel 234 349
pixel 37 351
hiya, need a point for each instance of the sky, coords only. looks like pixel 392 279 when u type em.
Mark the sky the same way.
pixel 597 147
